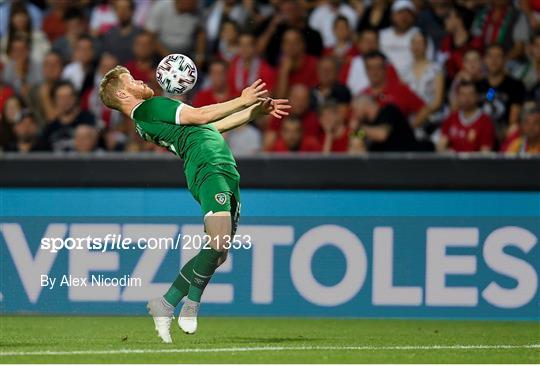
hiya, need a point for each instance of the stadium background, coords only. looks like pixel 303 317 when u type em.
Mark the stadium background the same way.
pixel 101 173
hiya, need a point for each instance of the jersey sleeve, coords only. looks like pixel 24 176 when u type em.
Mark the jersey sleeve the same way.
pixel 166 110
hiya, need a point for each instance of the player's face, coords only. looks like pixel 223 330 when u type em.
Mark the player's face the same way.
pixel 137 88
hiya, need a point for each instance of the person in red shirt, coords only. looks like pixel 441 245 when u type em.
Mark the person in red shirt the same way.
pixel 53 23
pixel 218 90
pixel 393 92
pixel 295 66
pixel 248 66
pixel 292 139
pixel 336 133
pixel 353 72
pixel 457 42
pixel 468 129
pixel 142 67
pixel 344 50
pixel 300 100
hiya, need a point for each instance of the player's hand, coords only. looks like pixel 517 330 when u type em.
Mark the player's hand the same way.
pixel 252 93
pixel 274 107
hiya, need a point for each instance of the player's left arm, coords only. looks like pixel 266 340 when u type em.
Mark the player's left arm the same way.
pixel 275 107
pixel 211 113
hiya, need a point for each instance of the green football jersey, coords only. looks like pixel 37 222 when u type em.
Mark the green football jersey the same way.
pixel 202 147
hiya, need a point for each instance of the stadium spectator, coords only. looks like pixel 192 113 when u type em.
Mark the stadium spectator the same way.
pixel 80 72
pixel 290 15
pixel 323 17
pixel 20 71
pixel 217 90
pixel 85 139
pixel 75 27
pixel 226 46
pixel 54 25
pixel 245 140
pixel 425 77
pixel 329 88
pixel 335 132
pixel 26 132
pixel 375 16
pixel 102 18
pixel 6 91
pixel 39 98
pixel 32 9
pixel 118 40
pixel 529 140
pixel 114 140
pixel 248 66
pixel 292 138
pixel 301 109
pixel 502 95
pixel 467 129
pixel 220 12
pixel 501 23
pixel 343 49
pixel 142 10
pixel 457 42
pixel 20 24
pixel 472 70
pixel 256 12
pixel 11 114
pixel 531 8
pixel 431 19
pixel 142 66
pixel 395 41
pixel 382 128
pixel 295 66
pixel 529 72
pixel 178 28
pixel 386 91
pixel 353 73
pixel 105 117
pixel 58 135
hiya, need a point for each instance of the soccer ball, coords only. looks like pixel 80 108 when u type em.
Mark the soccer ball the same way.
pixel 176 74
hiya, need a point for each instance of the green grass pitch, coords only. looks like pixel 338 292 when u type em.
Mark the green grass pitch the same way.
pixel 39 339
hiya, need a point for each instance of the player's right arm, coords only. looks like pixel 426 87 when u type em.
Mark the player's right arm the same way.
pixel 275 107
pixel 211 113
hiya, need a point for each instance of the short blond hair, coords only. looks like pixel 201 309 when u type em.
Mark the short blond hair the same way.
pixel 109 85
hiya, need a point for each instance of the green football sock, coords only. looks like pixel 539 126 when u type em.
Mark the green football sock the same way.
pixel 180 286
pixel 203 269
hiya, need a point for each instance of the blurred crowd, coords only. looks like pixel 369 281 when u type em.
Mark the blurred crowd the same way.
pixel 361 75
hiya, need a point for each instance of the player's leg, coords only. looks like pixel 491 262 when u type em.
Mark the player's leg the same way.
pixel 216 196
pixel 218 228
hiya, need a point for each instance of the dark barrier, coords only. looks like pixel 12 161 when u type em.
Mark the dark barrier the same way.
pixel 374 171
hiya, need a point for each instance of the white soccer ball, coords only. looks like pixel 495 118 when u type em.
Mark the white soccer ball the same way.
pixel 176 74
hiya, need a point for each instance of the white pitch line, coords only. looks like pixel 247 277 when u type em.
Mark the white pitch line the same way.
pixel 252 349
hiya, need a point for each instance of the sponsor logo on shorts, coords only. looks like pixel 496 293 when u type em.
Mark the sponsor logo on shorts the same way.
pixel 221 198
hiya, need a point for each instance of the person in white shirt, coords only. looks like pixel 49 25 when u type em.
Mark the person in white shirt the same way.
pixel 82 66
pixel 395 41
pixel 323 17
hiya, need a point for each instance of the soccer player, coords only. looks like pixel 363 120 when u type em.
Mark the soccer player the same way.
pixel 194 134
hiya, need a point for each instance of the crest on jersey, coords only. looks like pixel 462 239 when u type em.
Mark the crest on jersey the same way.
pixel 221 198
